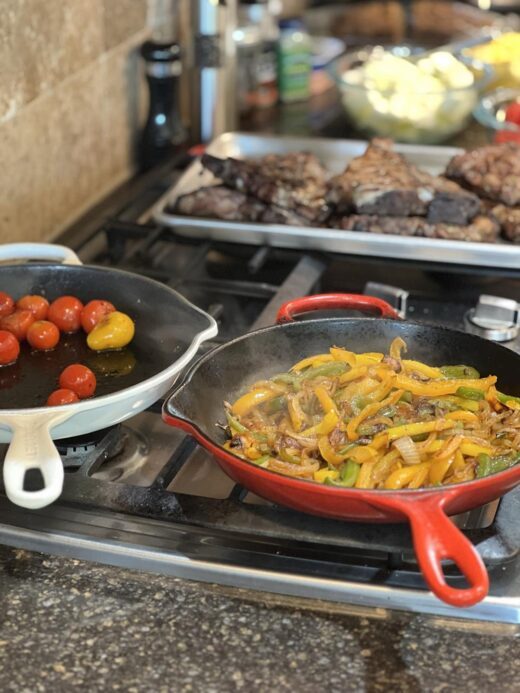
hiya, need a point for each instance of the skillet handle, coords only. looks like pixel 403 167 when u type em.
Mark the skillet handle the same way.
pixel 38 251
pixel 309 304
pixel 436 538
pixel 32 447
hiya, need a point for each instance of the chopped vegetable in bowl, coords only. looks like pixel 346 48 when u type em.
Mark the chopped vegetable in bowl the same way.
pixel 375 421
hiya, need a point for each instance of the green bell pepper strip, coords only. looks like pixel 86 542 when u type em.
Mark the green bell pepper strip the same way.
pixel 507 398
pixel 260 460
pixel 406 397
pixel 492 465
pixel 466 372
pixel 235 425
pixel 348 473
pixel 469 393
pixel 324 370
pixel 273 406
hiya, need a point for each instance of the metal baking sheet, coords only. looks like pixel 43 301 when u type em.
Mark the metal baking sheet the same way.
pixel 334 154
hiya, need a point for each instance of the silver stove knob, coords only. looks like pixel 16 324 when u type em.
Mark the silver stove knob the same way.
pixel 494 318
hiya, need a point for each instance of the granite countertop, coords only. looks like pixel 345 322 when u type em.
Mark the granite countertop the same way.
pixel 67 624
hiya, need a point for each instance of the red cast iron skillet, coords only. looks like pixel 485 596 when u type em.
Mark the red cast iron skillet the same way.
pixel 196 405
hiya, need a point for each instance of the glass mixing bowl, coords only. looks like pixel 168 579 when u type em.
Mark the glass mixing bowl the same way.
pixel 409 110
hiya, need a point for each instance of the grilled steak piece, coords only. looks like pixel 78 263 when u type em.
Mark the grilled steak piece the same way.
pixel 492 171
pixel 509 220
pixel 294 182
pixel 219 202
pixel 481 229
pixel 382 182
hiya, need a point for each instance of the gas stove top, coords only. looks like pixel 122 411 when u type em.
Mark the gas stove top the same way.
pixel 145 496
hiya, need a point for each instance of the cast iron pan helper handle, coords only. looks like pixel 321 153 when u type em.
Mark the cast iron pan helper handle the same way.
pixel 308 304
pixel 436 538
pixel 31 445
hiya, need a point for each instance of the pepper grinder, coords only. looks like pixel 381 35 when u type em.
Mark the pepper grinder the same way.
pixel 163 132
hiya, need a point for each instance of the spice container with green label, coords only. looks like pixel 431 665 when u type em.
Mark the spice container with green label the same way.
pixel 294 61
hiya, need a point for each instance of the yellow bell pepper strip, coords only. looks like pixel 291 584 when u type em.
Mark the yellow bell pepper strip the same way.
pixel 382 391
pixel 324 427
pixel 348 357
pixel 115 331
pixel 244 404
pixel 296 413
pixel 420 476
pixel 370 410
pixel 312 361
pixel 462 415
pixel 439 469
pixel 469 449
pixel 384 465
pixel 460 372
pixel 414 429
pixel 435 388
pixel 402 477
pixel 326 401
pixel 369 359
pixel 379 441
pixel 459 461
pixel 364 479
pixel 323 474
pixel 396 347
pixel 328 453
pixel 353 374
pixel 410 366
pixel 362 454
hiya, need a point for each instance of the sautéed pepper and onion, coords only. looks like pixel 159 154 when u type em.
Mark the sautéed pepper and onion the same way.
pixel 376 421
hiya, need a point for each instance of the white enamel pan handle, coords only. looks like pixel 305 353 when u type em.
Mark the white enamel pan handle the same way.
pixel 38 251
pixel 31 445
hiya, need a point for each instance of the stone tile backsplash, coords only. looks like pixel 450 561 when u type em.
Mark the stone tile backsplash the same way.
pixel 71 102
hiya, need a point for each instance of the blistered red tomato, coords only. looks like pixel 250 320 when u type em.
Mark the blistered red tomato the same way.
pixel 6 304
pixel 65 313
pixel 94 312
pixel 9 348
pixel 43 335
pixel 18 323
pixel 79 379
pixel 61 396
pixel 36 304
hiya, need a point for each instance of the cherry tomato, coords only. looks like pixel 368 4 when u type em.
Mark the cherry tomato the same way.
pixel 94 312
pixel 65 313
pixel 36 304
pixel 513 113
pixel 43 335
pixel 9 348
pixel 6 304
pixel 61 396
pixel 18 323
pixel 79 379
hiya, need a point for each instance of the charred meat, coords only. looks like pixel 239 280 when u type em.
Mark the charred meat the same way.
pixel 481 229
pixel 294 182
pixel 492 171
pixel 382 182
pixel 219 202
